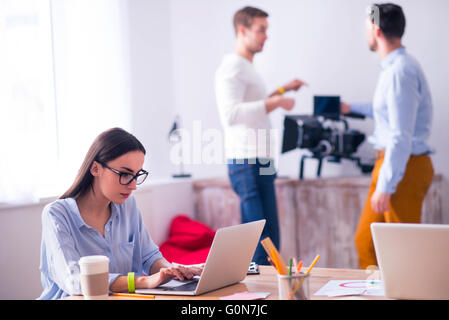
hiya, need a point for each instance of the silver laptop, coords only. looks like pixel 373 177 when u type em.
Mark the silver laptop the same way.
pixel 227 263
pixel 413 259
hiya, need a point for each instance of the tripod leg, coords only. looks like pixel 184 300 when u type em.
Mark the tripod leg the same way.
pixel 301 167
pixel 318 171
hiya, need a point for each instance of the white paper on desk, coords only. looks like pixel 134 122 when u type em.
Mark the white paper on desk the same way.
pixel 335 288
pixel 246 296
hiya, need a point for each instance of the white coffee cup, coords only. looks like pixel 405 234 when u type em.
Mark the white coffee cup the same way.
pixel 94 274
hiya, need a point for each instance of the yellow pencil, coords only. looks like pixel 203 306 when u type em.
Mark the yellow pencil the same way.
pixel 313 263
pixel 133 295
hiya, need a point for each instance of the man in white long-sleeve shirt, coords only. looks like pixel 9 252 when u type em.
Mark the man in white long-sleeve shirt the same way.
pixel 244 105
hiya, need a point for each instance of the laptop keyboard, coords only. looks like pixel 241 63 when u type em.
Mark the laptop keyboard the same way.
pixel 189 286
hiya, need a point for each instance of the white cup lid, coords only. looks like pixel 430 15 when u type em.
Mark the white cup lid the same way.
pixel 93 259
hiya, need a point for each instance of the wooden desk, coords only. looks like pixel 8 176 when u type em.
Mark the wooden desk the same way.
pixel 267 282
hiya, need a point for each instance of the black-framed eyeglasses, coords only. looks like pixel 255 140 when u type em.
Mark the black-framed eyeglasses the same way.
pixel 126 178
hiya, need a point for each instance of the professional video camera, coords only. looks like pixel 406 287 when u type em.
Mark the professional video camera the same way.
pixel 326 134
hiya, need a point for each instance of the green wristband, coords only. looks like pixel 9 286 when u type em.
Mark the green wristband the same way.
pixel 131 282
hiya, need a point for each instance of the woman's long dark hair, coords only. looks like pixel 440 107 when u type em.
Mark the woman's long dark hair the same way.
pixel 108 146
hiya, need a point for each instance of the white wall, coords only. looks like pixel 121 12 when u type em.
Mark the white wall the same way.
pixel 163 201
pixel 20 247
pixel 151 80
pixel 92 86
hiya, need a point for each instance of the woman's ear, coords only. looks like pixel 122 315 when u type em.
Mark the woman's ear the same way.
pixel 95 169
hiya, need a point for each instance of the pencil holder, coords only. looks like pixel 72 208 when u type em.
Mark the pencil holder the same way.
pixel 294 287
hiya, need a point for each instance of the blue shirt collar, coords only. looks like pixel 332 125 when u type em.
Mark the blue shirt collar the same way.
pixel 392 56
pixel 79 221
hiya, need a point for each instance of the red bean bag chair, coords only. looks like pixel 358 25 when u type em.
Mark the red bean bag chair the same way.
pixel 188 242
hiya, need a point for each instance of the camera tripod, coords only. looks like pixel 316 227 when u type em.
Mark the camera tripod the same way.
pixel 366 168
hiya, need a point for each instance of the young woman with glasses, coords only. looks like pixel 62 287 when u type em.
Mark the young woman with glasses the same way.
pixel 98 216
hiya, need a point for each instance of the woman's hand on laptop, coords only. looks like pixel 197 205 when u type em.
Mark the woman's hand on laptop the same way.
pixel 169 272
pixel 161 272
pixel 178 272
pixel 165 275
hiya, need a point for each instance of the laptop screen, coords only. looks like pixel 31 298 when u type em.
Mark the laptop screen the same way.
pixel 326 106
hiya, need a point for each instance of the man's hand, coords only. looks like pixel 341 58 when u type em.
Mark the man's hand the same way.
pixel 279 101
pixel 345 108
pixel 380 202
pixel 295 84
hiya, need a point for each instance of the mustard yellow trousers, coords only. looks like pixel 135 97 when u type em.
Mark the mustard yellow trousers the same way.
pixel 405 204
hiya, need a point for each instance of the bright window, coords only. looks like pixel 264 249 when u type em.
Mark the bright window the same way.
pixel 63 80
pixel 27 109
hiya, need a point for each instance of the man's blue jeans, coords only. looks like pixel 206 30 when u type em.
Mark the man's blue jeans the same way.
pixel 253 181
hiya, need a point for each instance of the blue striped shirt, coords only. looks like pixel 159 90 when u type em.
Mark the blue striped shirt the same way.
pixel 66 238
pixel 402 112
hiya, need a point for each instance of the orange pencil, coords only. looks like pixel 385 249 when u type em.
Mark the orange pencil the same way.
pixel 298 268
pixel 275 258
pixel 133 295
pixel 269 247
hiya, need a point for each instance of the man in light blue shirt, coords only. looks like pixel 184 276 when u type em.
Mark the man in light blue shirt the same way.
pixel 402 112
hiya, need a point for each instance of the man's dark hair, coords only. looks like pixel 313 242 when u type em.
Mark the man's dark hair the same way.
pixel 246 15
pixel 390 18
